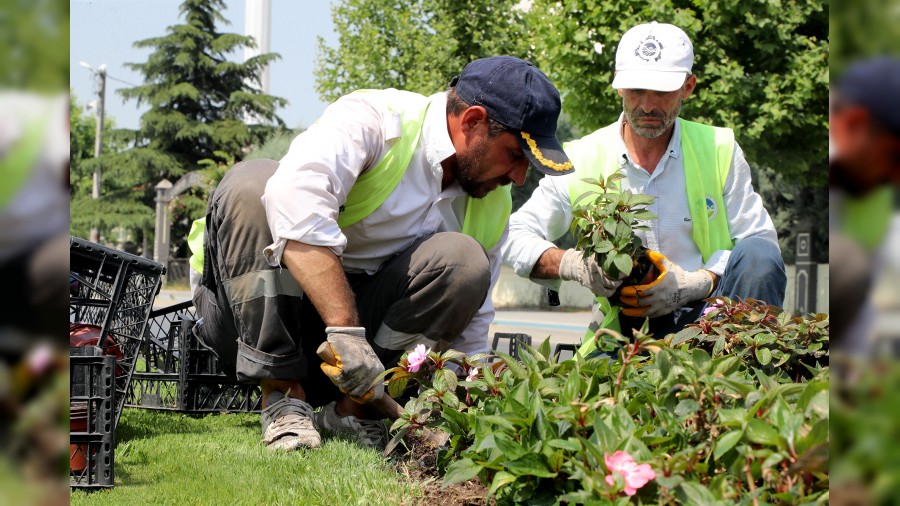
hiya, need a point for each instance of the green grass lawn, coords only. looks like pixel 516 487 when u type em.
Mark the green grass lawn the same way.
pixel 170 458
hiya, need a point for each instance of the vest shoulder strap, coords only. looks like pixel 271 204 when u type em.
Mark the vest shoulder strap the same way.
pixel 374 186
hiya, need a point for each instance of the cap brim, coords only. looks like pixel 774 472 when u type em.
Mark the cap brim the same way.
pixel 546 154
pixel 648 80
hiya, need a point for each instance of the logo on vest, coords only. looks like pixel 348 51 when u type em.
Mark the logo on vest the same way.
pixel 712 209
pixel 649 49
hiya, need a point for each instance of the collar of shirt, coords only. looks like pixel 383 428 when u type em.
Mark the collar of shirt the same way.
pixel 436 138
pixel 672 151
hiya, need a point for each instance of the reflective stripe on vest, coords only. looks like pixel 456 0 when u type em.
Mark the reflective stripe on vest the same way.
pixel 867 218
pixel 485 218
pixel 20 160
pixel 707 153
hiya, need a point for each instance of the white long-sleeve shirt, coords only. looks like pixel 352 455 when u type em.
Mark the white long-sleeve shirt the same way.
pixel 548 213
pixel 313 180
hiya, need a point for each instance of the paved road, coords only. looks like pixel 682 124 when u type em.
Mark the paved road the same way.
pixel 560 326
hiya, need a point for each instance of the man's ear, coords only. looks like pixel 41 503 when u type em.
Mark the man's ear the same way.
pixel 472 119
pixel 689 84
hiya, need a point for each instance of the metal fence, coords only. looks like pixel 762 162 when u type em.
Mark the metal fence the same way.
pixel 178 272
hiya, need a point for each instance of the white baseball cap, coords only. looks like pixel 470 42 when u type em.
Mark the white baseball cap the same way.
pixel 653 56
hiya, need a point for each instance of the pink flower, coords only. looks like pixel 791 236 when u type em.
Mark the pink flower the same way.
pixel 710 309
pixel 472 375
pixel 40 358
pixel 636 475
pixel 417 358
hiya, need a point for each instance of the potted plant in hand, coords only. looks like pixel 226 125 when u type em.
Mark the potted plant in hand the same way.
pixel 604 226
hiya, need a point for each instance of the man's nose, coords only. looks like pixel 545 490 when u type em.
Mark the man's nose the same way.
pixel 518 172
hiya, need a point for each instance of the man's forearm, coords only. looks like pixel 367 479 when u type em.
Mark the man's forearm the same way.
pixel 321 276
pixel 547 266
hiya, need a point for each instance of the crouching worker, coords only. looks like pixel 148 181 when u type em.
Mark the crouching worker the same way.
pixel 379 230
pixel 711 235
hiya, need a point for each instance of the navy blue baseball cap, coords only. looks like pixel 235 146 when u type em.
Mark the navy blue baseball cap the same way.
pixel 875 85
pixel 520 97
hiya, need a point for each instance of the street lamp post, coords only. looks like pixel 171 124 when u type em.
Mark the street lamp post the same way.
pixel 100 74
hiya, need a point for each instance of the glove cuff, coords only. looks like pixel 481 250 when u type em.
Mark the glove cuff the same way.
pixel 704 283
pixel 569 265
pixel 350 331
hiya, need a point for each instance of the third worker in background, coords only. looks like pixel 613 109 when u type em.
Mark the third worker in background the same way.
pixel 711 234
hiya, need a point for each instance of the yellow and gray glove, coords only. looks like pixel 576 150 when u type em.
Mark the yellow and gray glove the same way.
pixel 351 363
pixel 575 267
pixel 672 289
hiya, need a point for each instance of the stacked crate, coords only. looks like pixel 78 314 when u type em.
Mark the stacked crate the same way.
pixel 111 294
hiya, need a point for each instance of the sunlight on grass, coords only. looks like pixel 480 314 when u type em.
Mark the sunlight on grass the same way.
pixel 169 458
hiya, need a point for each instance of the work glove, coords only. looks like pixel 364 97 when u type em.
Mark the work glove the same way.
pixel 574 266
pixel 672 289
pixel 351 364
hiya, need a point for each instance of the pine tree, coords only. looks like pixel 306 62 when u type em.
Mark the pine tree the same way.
pixel 200 100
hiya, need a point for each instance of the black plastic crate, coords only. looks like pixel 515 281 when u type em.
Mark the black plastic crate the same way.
pixel 178 373
pixel 113 290
pixel 91 417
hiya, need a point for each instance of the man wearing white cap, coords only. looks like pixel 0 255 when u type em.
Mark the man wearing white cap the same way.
pixel 711 234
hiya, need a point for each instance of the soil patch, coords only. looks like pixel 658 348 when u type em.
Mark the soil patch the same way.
pixel 418 462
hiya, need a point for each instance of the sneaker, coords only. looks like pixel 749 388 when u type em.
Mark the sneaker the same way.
pixel 373 433
pixel 287 424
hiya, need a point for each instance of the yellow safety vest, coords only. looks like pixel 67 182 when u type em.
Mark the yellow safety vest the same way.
pixel 485 218
pixel 16 167
pixel 707 153
pixel 867 218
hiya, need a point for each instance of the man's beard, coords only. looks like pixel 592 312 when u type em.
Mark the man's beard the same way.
pixel 650 132
pixel 468 165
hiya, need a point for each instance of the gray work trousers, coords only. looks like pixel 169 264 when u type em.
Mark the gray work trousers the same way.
pixel 259 324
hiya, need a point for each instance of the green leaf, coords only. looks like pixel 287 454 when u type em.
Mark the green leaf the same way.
pixel 603 246
pixel 765 338
pixel 664 364
pixel 700 358
pixel 460 471
pixel 686 407
pixel 510 448
pixel 732 417
pixel 694 493
pixel 624 263
pixel 727 442
pixel 762 433
pixel 531 464
pixel 397 386
pixel 819 405
pixel 764 356
pixel 685 334
pixel 566 444
pixel 501 479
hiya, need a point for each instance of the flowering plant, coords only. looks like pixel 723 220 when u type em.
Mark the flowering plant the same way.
pixel 678 420
pixel 604 226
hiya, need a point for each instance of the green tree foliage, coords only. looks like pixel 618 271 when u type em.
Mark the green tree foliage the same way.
pixel 862 28
pixel 200 101
pixel 34 38
pixel 416 46
pixel 82 137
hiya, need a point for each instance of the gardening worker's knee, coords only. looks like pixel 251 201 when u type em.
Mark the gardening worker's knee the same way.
pixel 463 262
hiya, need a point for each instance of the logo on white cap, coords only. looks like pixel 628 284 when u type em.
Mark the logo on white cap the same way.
pixel 649 49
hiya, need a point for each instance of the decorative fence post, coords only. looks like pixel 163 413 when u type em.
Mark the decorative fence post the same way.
pixel 805 279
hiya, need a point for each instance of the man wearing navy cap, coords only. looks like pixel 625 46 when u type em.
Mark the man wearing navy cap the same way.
pixel 378 231
pixel 864 166
pixel 711 235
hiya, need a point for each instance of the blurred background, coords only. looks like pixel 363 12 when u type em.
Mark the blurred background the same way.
pixel 865 270
pixel 34 225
